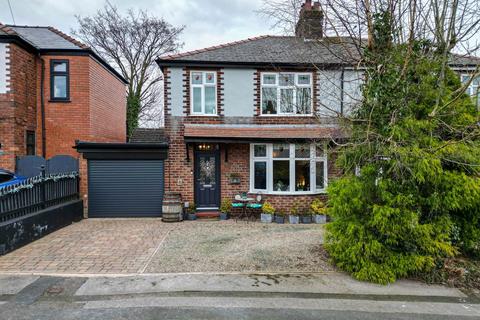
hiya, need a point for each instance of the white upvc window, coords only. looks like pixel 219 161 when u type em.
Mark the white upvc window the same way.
pixel 286 93
pixel 473 89
pixel 203 93
pixel 286 168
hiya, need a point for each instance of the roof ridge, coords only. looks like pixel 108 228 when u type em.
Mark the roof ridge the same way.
pixel 223 45
pixel 68 38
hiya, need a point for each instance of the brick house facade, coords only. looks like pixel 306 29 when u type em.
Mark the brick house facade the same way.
pixel 33 120
pixel 238 123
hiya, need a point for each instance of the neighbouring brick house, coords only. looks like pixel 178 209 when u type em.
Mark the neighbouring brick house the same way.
pixel 260 115
pixel 55 90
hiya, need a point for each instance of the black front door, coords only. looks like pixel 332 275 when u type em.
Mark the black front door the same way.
pixel 207 179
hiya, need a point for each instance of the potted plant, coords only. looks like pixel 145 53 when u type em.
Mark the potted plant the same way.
pixel 267 212
pixel 319 211
pixel 225 209
pixel 191 211
pixel 280 217
pixel 305 217
pixel 293 216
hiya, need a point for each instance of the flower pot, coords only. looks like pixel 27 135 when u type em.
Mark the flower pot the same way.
pixel 306 219
pixel 293 219
pixel 192 216
pixel 320 218
pixel 280 219
pixel 223 216
pixel 266 218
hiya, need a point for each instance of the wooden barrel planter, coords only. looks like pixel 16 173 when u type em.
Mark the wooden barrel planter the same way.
pixel 172 207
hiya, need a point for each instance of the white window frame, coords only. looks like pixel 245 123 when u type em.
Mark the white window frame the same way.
pixel 203 86
pixel 295 86
pixel 472 90
pixel 291 158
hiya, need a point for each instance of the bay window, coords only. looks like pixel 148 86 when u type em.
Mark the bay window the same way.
pixel 203 92
pixel 286 93
pixel 285 168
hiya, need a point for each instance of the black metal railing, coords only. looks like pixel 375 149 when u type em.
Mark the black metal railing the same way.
pixel 37 193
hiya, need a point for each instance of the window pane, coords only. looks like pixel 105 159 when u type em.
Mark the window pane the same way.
pixel 281 150
pixel 60 67
pixel 320 152
pixel 304 100
pixel 269 79
pixel 260 150
pixel 286 100
pixel 210 107
pixel 302 151
pixel 197 100
pixel 302 175
pixel 287 80
pixel 197 78
pixel 304 79
pixel 59 86
pixel 320 176
pixel 260 175
pixel 281 175
pixel 210 77
pixel 269 100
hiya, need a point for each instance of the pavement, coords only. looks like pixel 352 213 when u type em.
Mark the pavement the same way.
pixel 228 296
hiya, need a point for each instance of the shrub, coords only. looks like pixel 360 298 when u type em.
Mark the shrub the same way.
pixel 226 205
pixel 415 139
pixel 318 207
pixel 280 213
pixel 267 208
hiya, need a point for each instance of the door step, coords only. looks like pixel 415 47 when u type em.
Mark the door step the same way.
pixel 208 215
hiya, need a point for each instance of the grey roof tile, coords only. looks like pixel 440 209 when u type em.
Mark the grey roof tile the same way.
pixel 45 38
pixel 276 49
pixel 148 135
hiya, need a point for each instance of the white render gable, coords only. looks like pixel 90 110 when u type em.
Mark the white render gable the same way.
pixel 4 72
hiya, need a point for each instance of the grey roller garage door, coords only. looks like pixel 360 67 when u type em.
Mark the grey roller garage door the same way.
pixel 125 188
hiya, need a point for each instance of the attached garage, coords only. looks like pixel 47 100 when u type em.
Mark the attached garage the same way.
pixel 124 180
pixel 125 188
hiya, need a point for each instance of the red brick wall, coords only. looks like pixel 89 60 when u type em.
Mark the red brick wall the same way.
pixel 67 121
pixel 179 171
pixel 107 105
pixel 18 107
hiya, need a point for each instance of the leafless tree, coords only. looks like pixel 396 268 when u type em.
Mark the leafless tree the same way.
pixel 453 26
pixel 132 42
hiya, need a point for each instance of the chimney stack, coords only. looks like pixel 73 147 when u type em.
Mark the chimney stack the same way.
pixel 310 21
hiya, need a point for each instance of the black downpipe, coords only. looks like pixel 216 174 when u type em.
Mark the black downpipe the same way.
pixel 42 109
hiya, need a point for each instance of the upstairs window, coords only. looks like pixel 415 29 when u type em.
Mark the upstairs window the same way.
pixel 59 80
pixel 203 93
pixel 286 93
pixel 473 89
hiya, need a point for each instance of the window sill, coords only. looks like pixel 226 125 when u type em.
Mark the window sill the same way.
pixel 287 115
pixel 59 101
pixel 203 115
pixel 279 193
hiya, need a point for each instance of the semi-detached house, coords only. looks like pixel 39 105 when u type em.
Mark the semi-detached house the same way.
pixel 260 116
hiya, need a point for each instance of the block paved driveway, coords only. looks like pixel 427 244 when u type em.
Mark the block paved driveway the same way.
pixel 135 246
pixel 90 246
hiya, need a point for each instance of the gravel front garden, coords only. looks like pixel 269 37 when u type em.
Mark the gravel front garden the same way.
pixel 227 246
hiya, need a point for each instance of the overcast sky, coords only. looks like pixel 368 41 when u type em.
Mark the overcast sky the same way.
pixel 208 22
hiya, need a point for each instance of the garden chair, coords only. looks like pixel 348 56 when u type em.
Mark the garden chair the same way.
pixel 238 207
pixel 254 208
